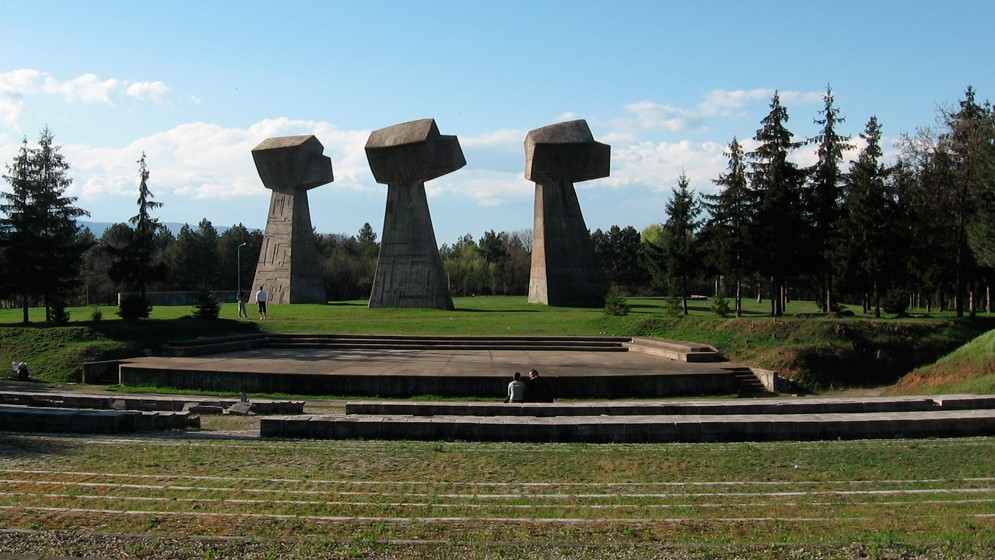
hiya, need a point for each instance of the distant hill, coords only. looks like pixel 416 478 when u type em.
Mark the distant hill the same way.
pixel 969 369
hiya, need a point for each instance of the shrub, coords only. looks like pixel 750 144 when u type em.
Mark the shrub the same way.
pixel 895 301
pixel 720 306
pixel 97 315
pixel 615 303
pixel 206 307
pixel 134 307
pixel 58 314
pixel 674 304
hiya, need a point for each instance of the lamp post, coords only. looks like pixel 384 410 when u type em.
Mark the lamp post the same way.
pixel 238 265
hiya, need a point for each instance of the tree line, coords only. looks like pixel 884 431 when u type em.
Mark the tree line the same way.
pixel 884 233
pixel 918 230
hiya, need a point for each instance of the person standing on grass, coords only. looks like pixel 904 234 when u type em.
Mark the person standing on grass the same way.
pixel 516 390
pixel 261 297
pixel 240 297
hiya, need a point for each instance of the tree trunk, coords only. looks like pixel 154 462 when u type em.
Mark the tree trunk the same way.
pixel 24 309
pixel 684 294
pixel 776 304
pixel 877 301
pixel 739 298
pixel 972 301
pixel 829 292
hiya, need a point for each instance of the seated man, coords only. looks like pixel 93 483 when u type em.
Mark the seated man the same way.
pixel 537 389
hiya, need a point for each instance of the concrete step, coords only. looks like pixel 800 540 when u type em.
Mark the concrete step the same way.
pixel 639 429
pixel 144 403
pixel 675 350
pixel 524 343
pixel 16 418
pixel 407 345
pixel 305 341
pixel 768 406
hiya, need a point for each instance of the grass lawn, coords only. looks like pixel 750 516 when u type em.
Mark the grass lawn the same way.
pixel 818 351
pixel 229 498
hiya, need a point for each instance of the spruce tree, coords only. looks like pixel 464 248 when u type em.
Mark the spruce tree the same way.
pixel 676 259
pixel 777 232
pixel 969 138
pixel 43 243
pixel 137 263
pixel 871 225
pixel 728 219
pixel 824 197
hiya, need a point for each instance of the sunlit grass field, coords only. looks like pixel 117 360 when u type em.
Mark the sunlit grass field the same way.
pixel 473 315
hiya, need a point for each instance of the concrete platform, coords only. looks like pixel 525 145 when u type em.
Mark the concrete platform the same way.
pixel 424 371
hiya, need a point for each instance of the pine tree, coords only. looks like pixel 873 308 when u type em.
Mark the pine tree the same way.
pixel 777 232
pixel 137 263
pixel 870 226
pixel 675 260
pixel 970 139
pixel 824 197
pixel 945 182
pixel 44 246
pixel 367 239
pixel 728 220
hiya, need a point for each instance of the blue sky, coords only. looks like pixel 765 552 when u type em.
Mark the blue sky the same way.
pixel 196 85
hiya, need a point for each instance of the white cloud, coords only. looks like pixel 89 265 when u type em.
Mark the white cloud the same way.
pixel 18 86
pixel 801 97
pixel 504 138
pixel 724 103
pixel 485 187
pixel 14 86
pixel 657 165
pixel 88 88
pixel 195 166
pixel 154 92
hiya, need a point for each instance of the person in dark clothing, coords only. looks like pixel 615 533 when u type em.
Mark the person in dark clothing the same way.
pixel 537 389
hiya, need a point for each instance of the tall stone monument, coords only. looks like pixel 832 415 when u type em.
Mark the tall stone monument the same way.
pixel 409 270
pixel 288 262
pixel 565 269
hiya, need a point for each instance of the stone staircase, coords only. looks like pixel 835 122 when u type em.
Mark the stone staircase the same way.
pixel 747 384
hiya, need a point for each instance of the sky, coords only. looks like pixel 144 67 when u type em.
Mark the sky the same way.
pixel 196 85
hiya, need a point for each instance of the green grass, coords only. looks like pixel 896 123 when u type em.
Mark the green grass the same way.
pixel 818 351
pixel 969 369
pixel 486 500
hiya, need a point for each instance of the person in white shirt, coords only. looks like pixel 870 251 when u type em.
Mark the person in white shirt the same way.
pixel 516 390
pixel 261 300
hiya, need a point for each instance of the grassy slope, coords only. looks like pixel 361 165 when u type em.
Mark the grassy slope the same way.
pixel 818 352
pixel 969 369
